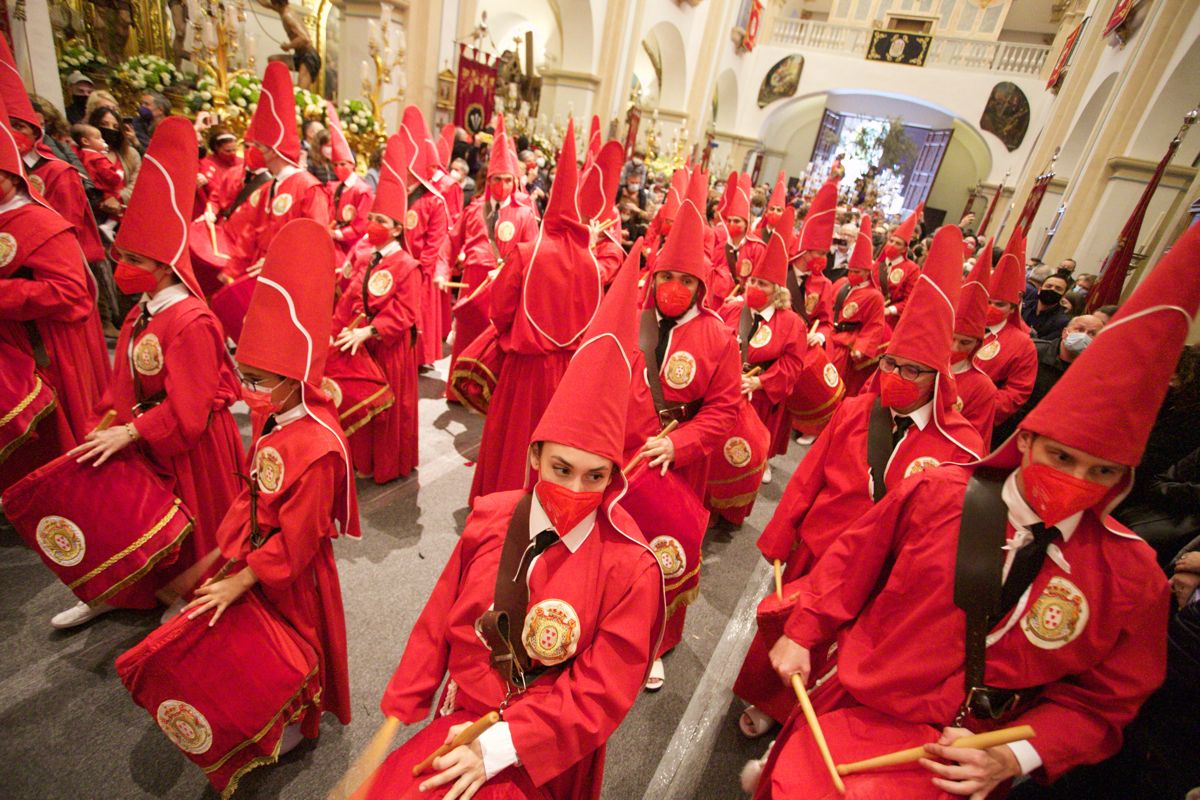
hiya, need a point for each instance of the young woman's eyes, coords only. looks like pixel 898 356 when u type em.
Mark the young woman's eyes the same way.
pixel 563 471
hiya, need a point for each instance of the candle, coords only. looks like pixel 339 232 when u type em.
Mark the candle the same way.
pixel 372 32
pixel 250 45
pixel 366 73
pixel 385 14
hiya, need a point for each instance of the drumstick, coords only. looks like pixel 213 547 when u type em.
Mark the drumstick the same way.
pixel 107 420
pixel 750 373
pixel 468 735
pixel 367 762
pixel 628 468
pixel 811 716
pixel 778 579
pixel 977 741
pixel 606 224
pixel 354 322
pixel 454 285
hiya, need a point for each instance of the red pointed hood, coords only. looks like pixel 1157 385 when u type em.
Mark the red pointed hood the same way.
pixel 562 213
pixel 926 327
pixel 863 254
pixel 738 204
pixel 594 142
pixel 906 229
pixel 254 159
pixel 684 248
pixel 726 194
pixel 424 159
pixel 675 193
pixel 337 138
pixel 1008 278
pixel 12 90
pixel 817 230
pixel 445 144
pixel 287 325
pixel 10 156
pixel 590 405
pixel 971 316
pixel 391 195
pixel 503 159
pixel 274 121
pixel 779 193
pixel 156 222
pixel 774 263
pixel 597 194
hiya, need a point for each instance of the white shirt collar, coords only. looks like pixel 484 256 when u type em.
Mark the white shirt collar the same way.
pixel 351 179
pixel 895 260
pixel 19 198
pixel 291 415
pixel 288 171
pixel 687 316
pixel 389 248
pixel 165 298
pixel 766 313
pixel 960 367
pixel 996 328
pixel 32 157
pixel 539 521
pixel 919 416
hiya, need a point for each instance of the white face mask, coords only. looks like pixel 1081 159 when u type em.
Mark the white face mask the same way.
pixel 541 162
pixel 1076 342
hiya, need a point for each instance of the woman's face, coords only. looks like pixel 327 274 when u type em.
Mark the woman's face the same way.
pixel 109 120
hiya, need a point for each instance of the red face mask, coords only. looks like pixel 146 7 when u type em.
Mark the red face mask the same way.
pixel 996 315
pixel 957 357
pixel 500 190
pixel 134 280
pixel 772 217
pixel 895 392
pixel 1055 495
pixel 377 234
pixel 672 298
pixel 24 143
pixel 890 251
pixel 756 298
pixel 736 229
pixel 343 171
pixel 856 277
pixel 816 264
pixel 968 251
pixel 565 507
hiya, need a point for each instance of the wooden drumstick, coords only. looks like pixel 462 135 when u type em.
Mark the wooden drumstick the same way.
pixel 633 462
pixel 454 285
pixel 778 579
pixel 107 420
pixel 606 224
pixel 363 768
pixel 815 727
pixel 354 322
pixel 976 741
pixel 750 373
pixel 468 735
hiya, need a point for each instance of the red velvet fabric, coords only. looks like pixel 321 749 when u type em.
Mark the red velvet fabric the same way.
pixel 477 370
pixel 735 467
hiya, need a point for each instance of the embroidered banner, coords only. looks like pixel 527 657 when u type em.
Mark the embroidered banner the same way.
pixel 1064 58
pixel 898 47
pixel 475 94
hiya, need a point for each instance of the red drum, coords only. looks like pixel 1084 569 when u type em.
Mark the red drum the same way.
pixel 773 614
pixel 101 530
pixel 673 521
pixel 478 368
pixel 210 250
pixel 357 387
pixel 735 469
pixel 24 398
pixel 231 302
pixel 819 391
pixel 223 695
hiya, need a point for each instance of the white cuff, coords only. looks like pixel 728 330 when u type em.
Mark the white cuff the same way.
pixel 822 337
pixel 890 310
pixel 1026 755
pixel 499 752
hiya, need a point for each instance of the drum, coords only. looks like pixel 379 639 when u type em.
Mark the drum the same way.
pixel 819 391
pixel 735 469
pixel 101 530
pixel 357 387
pixel 231 302
pixel 673 521
pixel 25 399
pixel 478 368
pixel 210 250
pixel 223 695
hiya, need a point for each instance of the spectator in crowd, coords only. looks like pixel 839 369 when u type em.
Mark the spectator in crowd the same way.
pixel 1045 314
pixel 1054 357
pixel 121 142
pixel 460 171
pixel 57 133
pixel 1084 283
pixel 105 170
pixel 374 164
pixel 320 156
pixel 1105 313
pixel 79 86
pixel 1066 269
pixel 634 207
pixel 635 166
pixel 152 109
pixel 838 259
pixel 1033 281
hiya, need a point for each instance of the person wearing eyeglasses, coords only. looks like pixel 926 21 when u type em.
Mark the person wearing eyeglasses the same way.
pixel 902 424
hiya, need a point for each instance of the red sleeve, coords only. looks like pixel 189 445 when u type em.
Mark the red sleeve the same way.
pixel 192 364
pixel 58 289
pixel 553 731
pixel 778 539
pixel 304 520
pixel 506 295
pixel 458 234
pixel 703 433
pixel 358 225
pixel 870 335
pixel 911 275
pixel 433 245
pixel 1019 383
pixel 823 312
pixel 779 380
pixel 316 206
pixel 402 311
pixel 609 257
pixel 1080 720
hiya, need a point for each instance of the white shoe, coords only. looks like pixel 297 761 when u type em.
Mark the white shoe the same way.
pixel 806 440
pixel 766 478
pixel 172 611
pixel 291 737
pixel 657 676
pixel 78 614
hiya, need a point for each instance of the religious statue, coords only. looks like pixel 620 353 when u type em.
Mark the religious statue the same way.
pixel 179 21
pixel 305 59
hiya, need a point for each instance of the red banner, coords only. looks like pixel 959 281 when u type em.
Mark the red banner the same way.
pixel 634 119
pixel 752 23
pixel 987 215
pixel 1065 56
pixel 1118 16
pixel 475 94
pixel 1025 221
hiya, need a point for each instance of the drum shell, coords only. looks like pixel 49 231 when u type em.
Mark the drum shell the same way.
pixel 477 370
pixel 357 387
pixel 818 392
pixel 230 304
pixel 736 467
pixel 101 530
pixel 25 399
pixel 236 685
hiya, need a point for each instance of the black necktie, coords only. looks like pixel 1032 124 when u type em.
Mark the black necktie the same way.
pixel 758 320
pixel 1025 566
pixel 664 333
pixel 540 543
pixel 900 426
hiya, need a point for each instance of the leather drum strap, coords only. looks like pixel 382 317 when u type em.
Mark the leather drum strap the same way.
pixel 884 287
pixel 745 322
pixel 508 655
pixel 799 304
pixel 840 301
pixel 647 342
pixel 879 447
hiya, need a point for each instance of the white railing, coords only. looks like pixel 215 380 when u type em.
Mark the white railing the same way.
pixel 944 51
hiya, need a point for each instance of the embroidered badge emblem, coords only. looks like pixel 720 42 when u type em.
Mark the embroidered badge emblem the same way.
pixel 895 276
pixel 505 231
pixel 746 268
pixel 37 183
pixel 551 631
pixel 348 213
pixel 148 355
pixel 184 726
pixel 329 386
pixel 920 465
pixel 268 469
pixel 61 540
pixel 849 310
pixel 737 451
pixel 761 337
pixel 410 219
pixel 989 350
pixel 830 375
pixel 680 369
pixel 670 556
pixel 810 302
pixel 8 249
pixel 281 204
pixel 1058 615
pixel 380 283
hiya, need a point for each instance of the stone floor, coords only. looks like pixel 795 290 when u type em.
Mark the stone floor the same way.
pixel 69 730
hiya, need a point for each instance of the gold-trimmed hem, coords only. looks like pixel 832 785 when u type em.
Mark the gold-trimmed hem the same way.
pixel 12 446
pixel 141 571
pixel 673 586
pixel 683 600
pixel 374 413
pixel 836 397
pixel 364 402
pixel 733 502
pixel 736 478
pixel 216 765
pixel 484 392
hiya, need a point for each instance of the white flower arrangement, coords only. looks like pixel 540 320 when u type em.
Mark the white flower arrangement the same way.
pixel 200 98
pixel 244 89
pixel 309 105
pixel 149 73
pixel 356 116
pixel 76 55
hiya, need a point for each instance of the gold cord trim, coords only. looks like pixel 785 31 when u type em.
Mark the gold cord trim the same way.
pixel 265 730
pixel 145 537
pixel 11 447
pixel 142 570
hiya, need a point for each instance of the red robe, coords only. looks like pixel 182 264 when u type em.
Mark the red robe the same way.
pixel 191 434
pixel 45 284
pixel 298 195
pixel 1009 358
pixel 386 447
pixel 863 309
pixel 427 238
pixel 1092 638
pixel 350 204
pixel 469 247
pixel 977 401
pixel 60 184
pixel 304 495
pixel 243 227
pixel 729 262
pixel 828 492
pixel 814 302
pixel 901 278
pixel 612 585
pixel 702 363
pixel 224 181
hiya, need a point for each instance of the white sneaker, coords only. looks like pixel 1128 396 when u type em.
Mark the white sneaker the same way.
pixel 806 440
pixel 78 614
pixel 291 737
pixel 766 478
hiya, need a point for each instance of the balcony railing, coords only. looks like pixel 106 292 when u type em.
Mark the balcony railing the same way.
pixel 946 51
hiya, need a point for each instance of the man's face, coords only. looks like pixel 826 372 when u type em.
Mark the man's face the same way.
pixel 575 469
pixel 81 89
pixel 1055 284
pixel 1071 460
pixel 1087 323
pixel 1067 264
pixel 963 344
pixel 898 243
